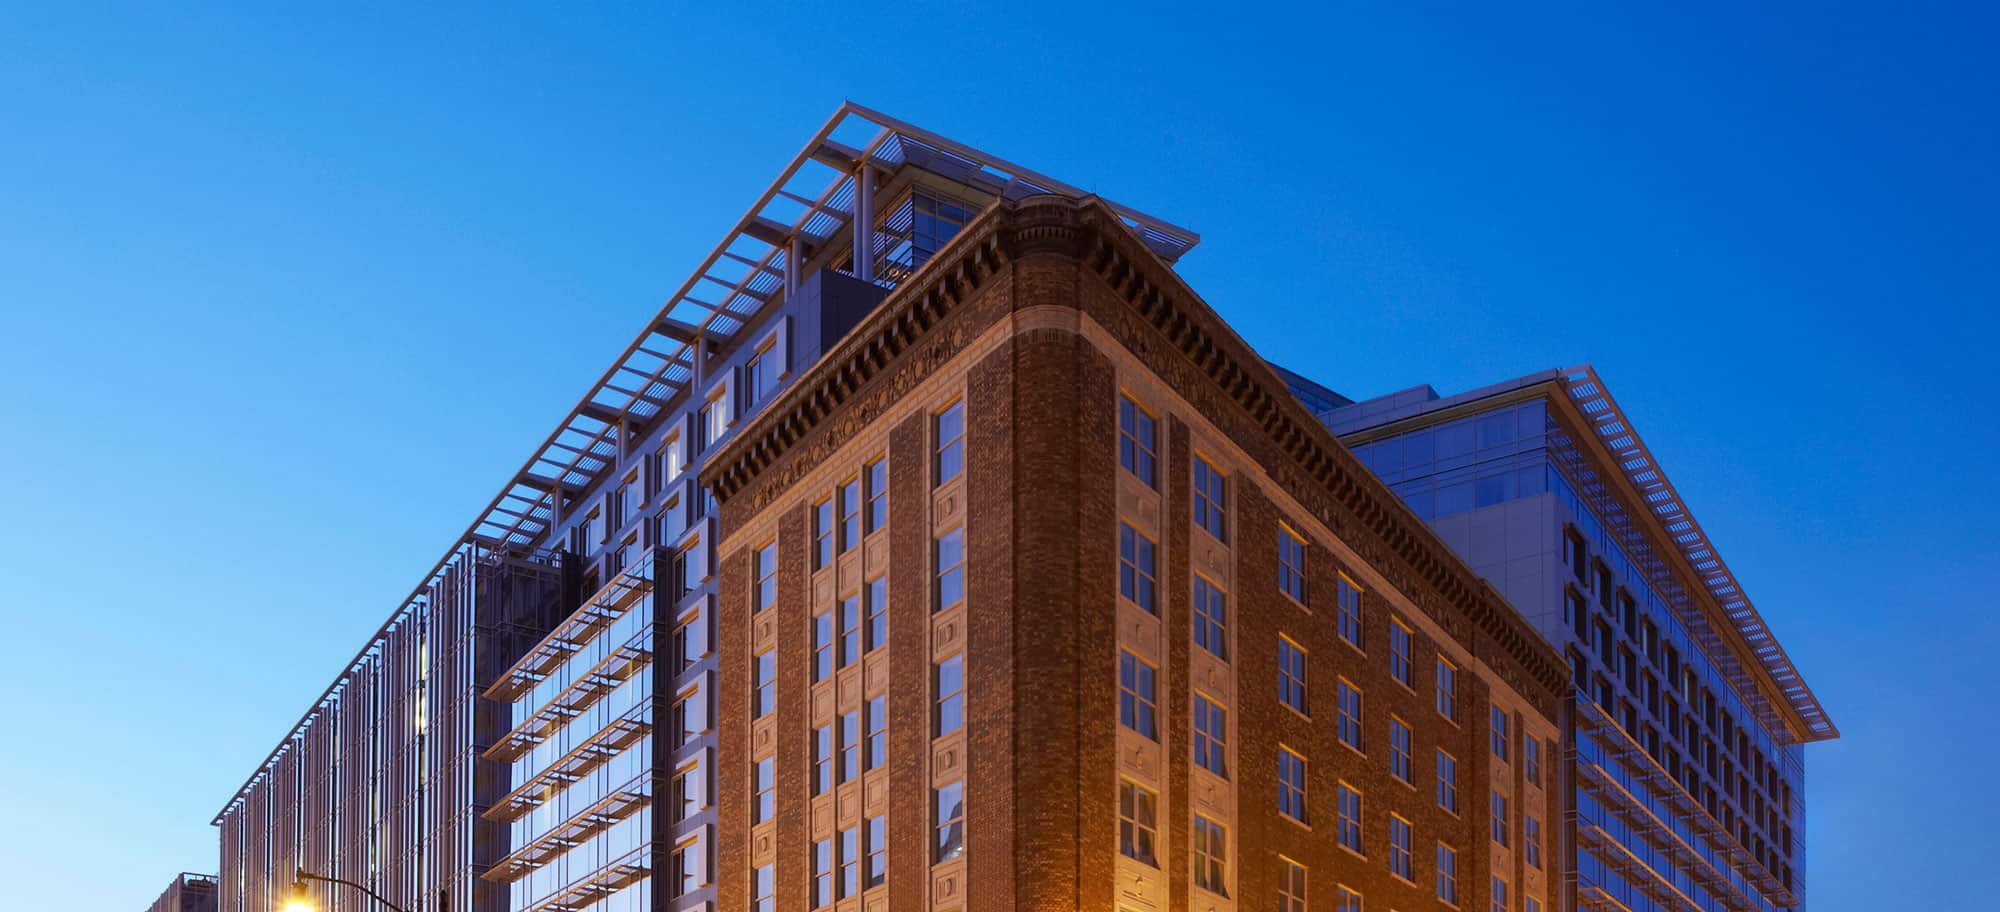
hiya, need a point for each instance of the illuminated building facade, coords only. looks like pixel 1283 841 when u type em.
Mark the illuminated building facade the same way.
pixel 1689 726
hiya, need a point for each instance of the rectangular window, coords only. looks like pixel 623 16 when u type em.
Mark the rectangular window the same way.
pixel 1345 899
pixel 1136 696
pixel 850 513
pixel 1291 785
pixel 1135 441
pixel 877 475
pixel 950 561
pixel 1137 825
pixel 1347 606
pixel 1292 565
pixel 1498 895
pixel 878 852
pixel 850 745
pixel 766 899
pixel 1399 751
pixel 767 576
pixel 1531 904
pixel 822 894
pixel 1211 736
pixel 1211 856
pixel 1211 499
pixel 1498 805
pixel 948 681
pixel 949 426
pixel 948 821
pixel 850 862
pixel 764 784
pixel 1498 732
pixel 1447 774
pixel 1531 840
pixel 823 655
pixel 823 533
pixel 1399 847
pixel 850 629
pixel 673 457
pixel 1291 886
pixel 1350 715
pixel 1211 618
pixel 766 698
pixel 1399 654
pixel 877 712
pixel 1447 690
pixel 1348 823
pixel 877 609
pixel 1531 759
pixel 1447 874
pixel 822 759
pixel 1135 567
pixel 1292 675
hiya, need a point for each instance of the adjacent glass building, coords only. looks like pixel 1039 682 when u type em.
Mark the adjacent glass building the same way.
pixel 1689 723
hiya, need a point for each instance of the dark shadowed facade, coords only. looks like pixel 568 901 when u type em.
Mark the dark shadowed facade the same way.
pixel 187 893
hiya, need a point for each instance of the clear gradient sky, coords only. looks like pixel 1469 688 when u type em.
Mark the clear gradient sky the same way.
pixel 284 296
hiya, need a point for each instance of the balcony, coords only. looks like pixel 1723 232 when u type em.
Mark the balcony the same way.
pixel 598 612
pixel 594 752
pixel 570 833
pixel 626 871
pixel 617 667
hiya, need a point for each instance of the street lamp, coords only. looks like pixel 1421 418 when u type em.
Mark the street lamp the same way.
pixel 301 899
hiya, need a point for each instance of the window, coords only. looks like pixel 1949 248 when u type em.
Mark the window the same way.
pixel 1345 899
pixel 822 894
pixel 822 759
pixel 766 696
pixel 877 475
pixel 1211 736
pixel 1399 750
pixel 1291 886
pixel 1531 840
pixel 1137 827
pixel 1447 874
pixel 1136 695
pixel 764 783
pixel 1135 567
pixel 1211 856
pixel 1447 772
pixel 1399 847
pixel 1348 818
pixel 950 427
pixel 877 872
pixel 1211 618
pixel 685 798
pixel 1347 606
pixel 823 657
pixel 850 861
pixel 1292 565
pixel 1499 823
pixel 1292 675
pixel 850 513
pixel 1350 715
pixel 1447 690
pixel 948 819
pixel 877 712
pixel 1291 785
pixel 1399 654
pixel 1498 895
pixel 766 889
pixel 1211 499
pixel 823 533
pixel 1531 904
pixel 1498 732
pixel 932 223
pixel 673 457
pixel 877 609
pixel 950 558
pixel 1135 441
pixel 767 576
pixel 949 681
pixel 1531 759
pixel 850 629
pixel 850 745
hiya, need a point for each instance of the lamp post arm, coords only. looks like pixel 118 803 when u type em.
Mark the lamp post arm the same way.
pixel 308 875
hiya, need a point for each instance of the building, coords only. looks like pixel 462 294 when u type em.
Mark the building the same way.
pixel 187 893
pixel 1689 721
pixel 1126 627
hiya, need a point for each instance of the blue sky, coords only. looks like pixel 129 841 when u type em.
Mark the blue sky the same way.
pixel 285 295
